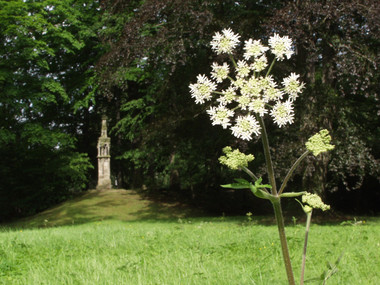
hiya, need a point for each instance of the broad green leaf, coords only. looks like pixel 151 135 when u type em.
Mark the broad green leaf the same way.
pixel 241 180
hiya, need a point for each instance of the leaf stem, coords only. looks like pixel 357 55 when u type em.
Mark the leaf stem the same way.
pixel 291 170
pixel 270 67
pixel 231 79
pixel 308 222
pixel 250 173
pixel 218 92
pixel 233 60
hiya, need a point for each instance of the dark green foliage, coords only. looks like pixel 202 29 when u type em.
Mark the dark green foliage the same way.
pixel 65 62
pixel 165 140
pixel 156 48
pixel 46 52
pixel 37 177
pixel 337 55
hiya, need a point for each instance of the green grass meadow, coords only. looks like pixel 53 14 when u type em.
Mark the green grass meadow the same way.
pixel 170 249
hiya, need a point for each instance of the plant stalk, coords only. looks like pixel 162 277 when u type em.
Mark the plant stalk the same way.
pixel 276 202
pixel 268 158
pixel 284 244
pixel 308 222
pixel 250 173
pixel 233 60
pixel 270 68
pixel 289 174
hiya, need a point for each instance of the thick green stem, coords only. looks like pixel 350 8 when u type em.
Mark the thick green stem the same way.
pixel 308 222
pixel 276 202
pixel 302 157
pixel 284 244
pixel 268 158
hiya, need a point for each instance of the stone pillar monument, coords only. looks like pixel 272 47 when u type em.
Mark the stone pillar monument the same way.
pixel 104 158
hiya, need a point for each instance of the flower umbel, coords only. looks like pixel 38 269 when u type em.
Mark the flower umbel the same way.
pixel 292 86
pixel 281 46
pixel 319 143
pixel 260 64
pixel 220 72
pixel 227 96
pixel 247 92
pixel 220 116
pixel 314 201
pixel 283 113
pixel 234 159
pixel 245 127
pixel 258 106
pixel 254 48
pixel 225 42
pixel 202 90
pixel 242 69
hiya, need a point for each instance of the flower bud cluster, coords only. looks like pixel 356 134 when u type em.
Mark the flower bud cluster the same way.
pixel 319 143
pixel 313 201
pixel 244 92
pixel 234 159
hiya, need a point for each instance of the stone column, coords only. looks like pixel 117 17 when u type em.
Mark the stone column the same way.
pixel 104 158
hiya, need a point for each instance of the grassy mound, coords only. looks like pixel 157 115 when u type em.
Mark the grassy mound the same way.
pixel 98 205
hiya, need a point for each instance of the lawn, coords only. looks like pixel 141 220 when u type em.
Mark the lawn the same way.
pixel 184 251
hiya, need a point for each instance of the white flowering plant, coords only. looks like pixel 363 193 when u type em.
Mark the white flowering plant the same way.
pixel 252 91
pixel 239 95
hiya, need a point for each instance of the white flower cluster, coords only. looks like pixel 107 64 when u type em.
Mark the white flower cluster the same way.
pixel 224 42
pixel 249 94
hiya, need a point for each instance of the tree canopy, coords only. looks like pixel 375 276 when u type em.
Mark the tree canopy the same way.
pixel 46 67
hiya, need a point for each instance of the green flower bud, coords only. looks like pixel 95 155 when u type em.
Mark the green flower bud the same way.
pixel 314 201
pixel 235 159
pixel 320 142
pixel 307 209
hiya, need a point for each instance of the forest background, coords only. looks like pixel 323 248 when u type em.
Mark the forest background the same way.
pixel 65 63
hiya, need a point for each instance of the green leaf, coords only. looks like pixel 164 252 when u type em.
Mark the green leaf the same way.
pixel 241 180
pixel 259 185
pixel 241 184
pixel 236 186
pixel 260 193
pixel 331 270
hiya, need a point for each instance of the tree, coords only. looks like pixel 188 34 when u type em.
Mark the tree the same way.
pixel 155 49
pixel 337 49
pixel 46 54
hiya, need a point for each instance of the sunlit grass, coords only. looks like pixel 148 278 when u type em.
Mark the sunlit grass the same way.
pixel 184 251
pixel 116 204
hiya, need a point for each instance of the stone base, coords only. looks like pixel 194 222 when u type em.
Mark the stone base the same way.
pixel 104 184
